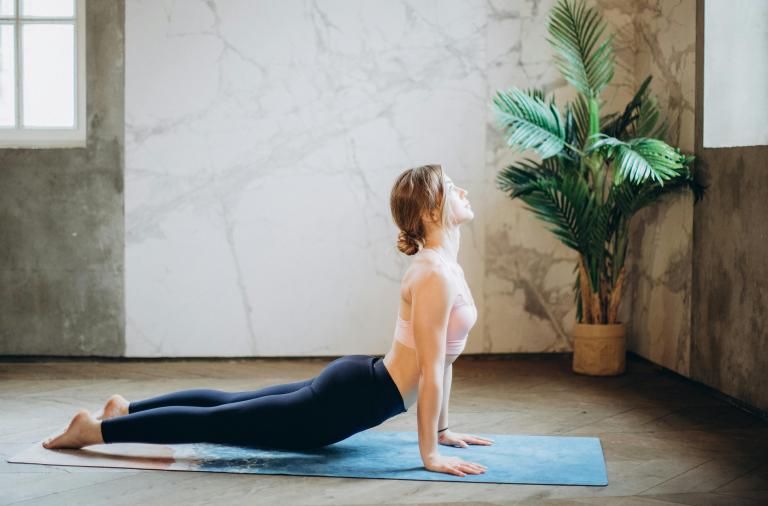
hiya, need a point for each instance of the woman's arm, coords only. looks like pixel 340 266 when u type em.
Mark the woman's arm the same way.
pixel 442 421
pixel 430 307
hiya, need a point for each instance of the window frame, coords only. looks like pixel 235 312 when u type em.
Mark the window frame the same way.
pixel 48 137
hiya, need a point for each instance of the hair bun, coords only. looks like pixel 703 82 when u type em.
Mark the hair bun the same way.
pixel 408 243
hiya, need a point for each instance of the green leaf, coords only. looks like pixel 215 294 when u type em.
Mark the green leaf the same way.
pixel 520 179
pixel 640 159
pixel 647 116
pixel 566 202
pixel 530 123
pixel 575 30
pixel 581 117
pixel 618 127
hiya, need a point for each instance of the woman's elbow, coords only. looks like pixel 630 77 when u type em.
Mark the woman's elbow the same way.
pixel 431 375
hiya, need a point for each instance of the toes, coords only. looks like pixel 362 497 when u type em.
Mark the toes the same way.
pixel 51 442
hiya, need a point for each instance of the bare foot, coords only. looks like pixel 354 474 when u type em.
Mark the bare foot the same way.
pixel 117 405
pixel 83 430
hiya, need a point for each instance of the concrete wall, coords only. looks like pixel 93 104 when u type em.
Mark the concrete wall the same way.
pixel 61 221
pixel 730 292
pixel 730 289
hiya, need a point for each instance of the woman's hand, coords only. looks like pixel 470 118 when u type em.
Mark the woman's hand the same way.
pixel 449 438
pixel 452 465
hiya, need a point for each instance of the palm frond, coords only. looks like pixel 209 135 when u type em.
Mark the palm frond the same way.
pixel 640 159
pixel 618 127
pixel 581 119
pixel 693 179
pixel 630 198
pixel 647 116
pixel 535 93
pixel 575 30
pixel 530 123
pixel 599 230
pixel 566 203
pixel 522 178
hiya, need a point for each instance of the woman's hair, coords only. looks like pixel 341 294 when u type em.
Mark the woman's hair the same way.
pixel 417 191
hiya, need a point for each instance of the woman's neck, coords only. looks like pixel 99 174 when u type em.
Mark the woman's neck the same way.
pixel 446 246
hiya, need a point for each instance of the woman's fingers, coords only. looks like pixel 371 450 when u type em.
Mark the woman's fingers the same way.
pixel 475 468
pixel 479 440
pixel 467 467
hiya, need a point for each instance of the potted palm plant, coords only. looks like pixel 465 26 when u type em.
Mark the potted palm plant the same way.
pixel 595 173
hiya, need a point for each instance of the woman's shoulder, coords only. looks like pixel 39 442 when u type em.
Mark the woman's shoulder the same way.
pixel 426 264
pixel 428 272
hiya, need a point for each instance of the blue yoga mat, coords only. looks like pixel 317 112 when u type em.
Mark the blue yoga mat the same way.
pixel 546 460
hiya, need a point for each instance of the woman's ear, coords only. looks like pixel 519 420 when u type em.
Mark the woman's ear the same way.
pixel 429 216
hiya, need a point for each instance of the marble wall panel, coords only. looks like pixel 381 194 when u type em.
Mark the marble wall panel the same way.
pixel 657 301
pixel 529 301
pixel 262 140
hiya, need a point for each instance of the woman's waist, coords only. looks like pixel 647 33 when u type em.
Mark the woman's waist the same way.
pixel 391 396
pixel 403 366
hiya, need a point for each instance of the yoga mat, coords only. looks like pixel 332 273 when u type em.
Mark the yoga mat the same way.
pixel 546 460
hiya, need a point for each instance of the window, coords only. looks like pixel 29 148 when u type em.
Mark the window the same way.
pixel 42 73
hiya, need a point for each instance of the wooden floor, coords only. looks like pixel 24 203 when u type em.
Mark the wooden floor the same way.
pixel 666 440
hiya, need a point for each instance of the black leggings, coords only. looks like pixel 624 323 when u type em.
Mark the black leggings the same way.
pixel 351 394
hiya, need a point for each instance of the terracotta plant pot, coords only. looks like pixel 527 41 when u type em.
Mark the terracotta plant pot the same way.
pixel 599 349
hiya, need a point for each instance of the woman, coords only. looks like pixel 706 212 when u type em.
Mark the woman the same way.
pixel 352 393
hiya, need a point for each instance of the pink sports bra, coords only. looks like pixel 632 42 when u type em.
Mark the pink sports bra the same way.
pixel 461 319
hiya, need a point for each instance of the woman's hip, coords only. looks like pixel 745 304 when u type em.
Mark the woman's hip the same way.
pixel 354 393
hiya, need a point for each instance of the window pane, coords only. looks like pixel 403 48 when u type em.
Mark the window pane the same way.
pixel 6 7
pixel 48 8
pixel 48 56
pixel 7 82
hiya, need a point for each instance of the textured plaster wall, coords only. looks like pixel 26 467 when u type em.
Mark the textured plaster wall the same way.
pixel 61 221
pixel 730 268
pixel 730 293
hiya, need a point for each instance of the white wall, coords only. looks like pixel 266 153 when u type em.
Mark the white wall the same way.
pixel 262 141
pixel 735 73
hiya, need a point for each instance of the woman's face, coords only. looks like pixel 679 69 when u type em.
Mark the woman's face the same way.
pixel 457 200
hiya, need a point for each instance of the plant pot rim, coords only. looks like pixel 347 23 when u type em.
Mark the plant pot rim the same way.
pixel 617 324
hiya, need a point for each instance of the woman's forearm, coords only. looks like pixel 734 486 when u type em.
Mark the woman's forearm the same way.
pixel 428 412
pixel 448 379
